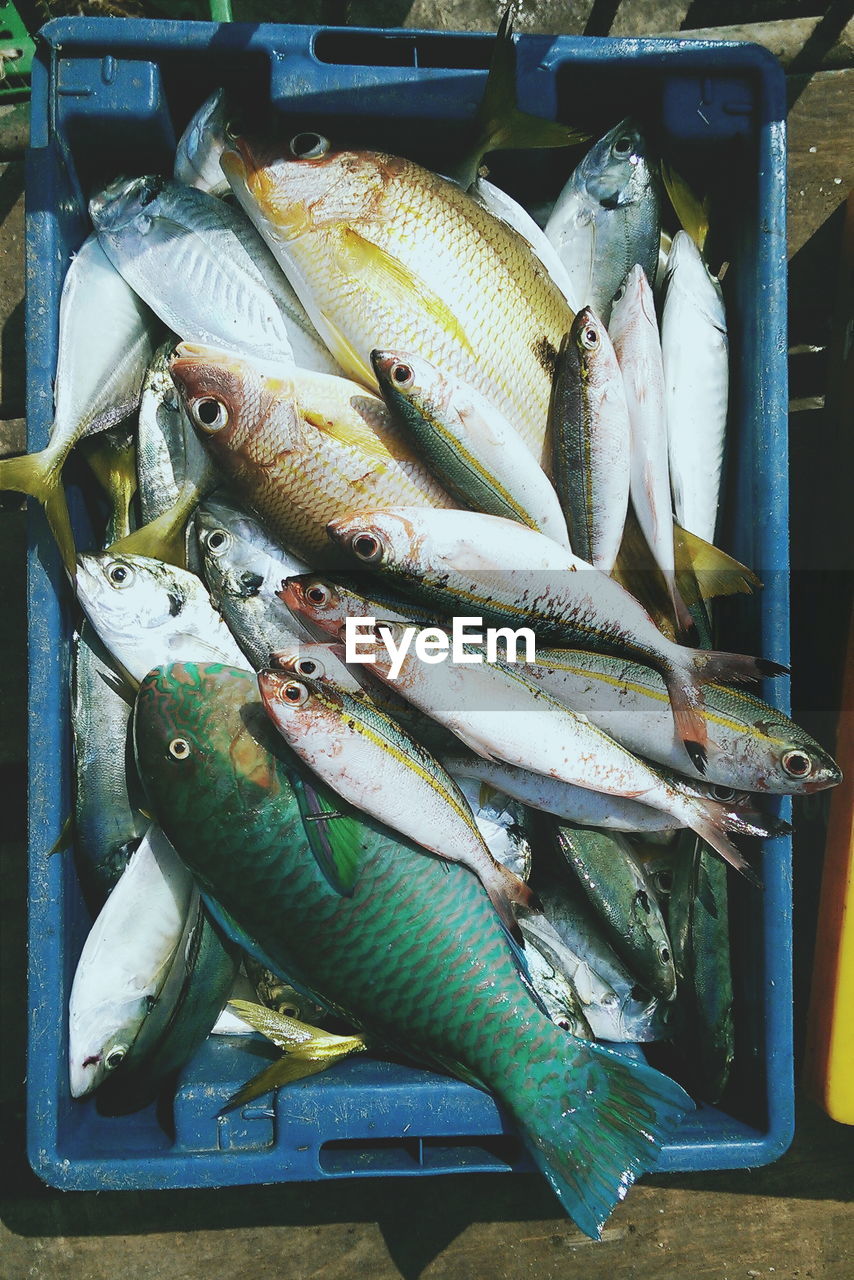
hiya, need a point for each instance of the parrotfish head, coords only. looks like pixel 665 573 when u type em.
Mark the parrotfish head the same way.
pixel 306 184
pixel 230 401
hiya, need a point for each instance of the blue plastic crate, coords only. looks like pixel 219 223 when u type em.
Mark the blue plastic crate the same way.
pixel 110 97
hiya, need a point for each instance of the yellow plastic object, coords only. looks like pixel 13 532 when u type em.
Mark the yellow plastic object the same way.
pixel 829 1071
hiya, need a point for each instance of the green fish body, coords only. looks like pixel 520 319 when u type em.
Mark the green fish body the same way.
pixel 413 953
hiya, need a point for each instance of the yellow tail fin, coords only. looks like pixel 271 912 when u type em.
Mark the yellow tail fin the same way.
pixel 166 537
pixel 40 476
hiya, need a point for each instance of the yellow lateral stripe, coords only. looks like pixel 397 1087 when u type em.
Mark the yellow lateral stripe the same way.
pixel 485 476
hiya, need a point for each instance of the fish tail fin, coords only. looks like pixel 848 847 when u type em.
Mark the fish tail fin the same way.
pixel 164 538
pixel 739 668
pixel 747 820
pixel 40 476
pixel 703 567
pixel 685 623
pixel 708 822
pixel 506 890
pixel 499 123
pixel 691 210
pixel 593 1121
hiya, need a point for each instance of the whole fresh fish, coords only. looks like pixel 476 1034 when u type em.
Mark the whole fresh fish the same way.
pixel 614 1004
pixel 168 452
pixel 549 964
pixel 698 918
pixel 608 217
pixel 106 339
pixel 507 572
pixel 695 353
pixel 384 253
pixel 609 875
pixel 590 433
pixel 147 613
pixel 415 957
pixel 499 714
pixel 634 330
pixel 125 960
pixel 204 271
pixel 198 982
pixel 301 447
pixel 243 569
pixel 470 447
pixel 107 822
pixel 201 145
pixel 751 745
pixel 502 823
pixel 369 760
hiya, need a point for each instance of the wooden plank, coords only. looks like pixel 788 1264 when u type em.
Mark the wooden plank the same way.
pixel 788 40
pixel 821 150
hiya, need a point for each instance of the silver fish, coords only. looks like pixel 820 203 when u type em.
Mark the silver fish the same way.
pixel 608 216
pixel 200 147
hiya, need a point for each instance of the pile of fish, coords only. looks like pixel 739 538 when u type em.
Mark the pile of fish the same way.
pixel 336 399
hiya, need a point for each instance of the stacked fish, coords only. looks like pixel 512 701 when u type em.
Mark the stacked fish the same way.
pixel 367 395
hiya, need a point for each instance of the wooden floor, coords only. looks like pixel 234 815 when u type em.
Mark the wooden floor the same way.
pixel 792 1221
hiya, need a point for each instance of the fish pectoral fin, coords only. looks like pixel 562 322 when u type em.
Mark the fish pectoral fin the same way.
pixel 334 836
pixel 473 740
pixel 377 270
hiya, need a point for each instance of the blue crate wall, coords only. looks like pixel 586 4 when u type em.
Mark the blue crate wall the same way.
pixel 111 97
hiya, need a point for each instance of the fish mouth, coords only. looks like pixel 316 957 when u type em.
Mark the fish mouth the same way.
pixel 84 1078
pixel 121 203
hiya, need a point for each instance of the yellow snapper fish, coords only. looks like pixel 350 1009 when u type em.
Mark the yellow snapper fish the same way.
pixel 299 448
pixel 384 253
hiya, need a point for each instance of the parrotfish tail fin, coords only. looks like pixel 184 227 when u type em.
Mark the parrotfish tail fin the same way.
pixel 507 890
pixel 708 822
pixel 164 538
pixel 499 123
pixel 40 476
pixel 594 1122
pixel 704 568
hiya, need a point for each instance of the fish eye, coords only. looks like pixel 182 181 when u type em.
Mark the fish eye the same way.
pixel 308 667
pixel 664 954
pixel 664 881
pixel 290 1011
pixel 308 146
pixel 403 376
pixel 218 541
pixel 115 1058
pixel 318 594
pixel 797 764
pixel 119 574
pixel 367 547
pixel 589 337
pixel 618 295
pixel 179 748
pixel 295 693
pixel 209 413
pixel 723 793
pixel 623 145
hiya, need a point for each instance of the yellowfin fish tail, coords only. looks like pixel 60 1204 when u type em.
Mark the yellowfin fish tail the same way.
pixel 39 475
pixel 594 1121
pixel 165 537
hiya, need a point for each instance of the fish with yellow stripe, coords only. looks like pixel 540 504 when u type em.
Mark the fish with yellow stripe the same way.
pixel 370 760
pixel 384 253
pixel 752 746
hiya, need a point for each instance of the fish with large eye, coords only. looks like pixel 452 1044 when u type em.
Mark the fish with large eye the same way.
pixel 367 547
pixel 308 146
pixel 119 574
pixel 209 414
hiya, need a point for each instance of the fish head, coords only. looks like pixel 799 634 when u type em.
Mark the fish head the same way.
pixel 100 1036
pixel 381 539
pixel 403 376
pixel 300 707
pixel 233 404
pixel 126 203
pixel 805 766
pixel 616 171
pixel 306 185
pixel 314 662
pixel 136 604
pixel 587 334
pixel 194 723
pixel 316 602
pixel 201 145
pixel 687 272
pixel 633 300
